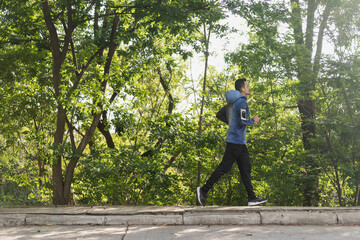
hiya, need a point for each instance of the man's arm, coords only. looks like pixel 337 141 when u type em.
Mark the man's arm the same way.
pixel 243 114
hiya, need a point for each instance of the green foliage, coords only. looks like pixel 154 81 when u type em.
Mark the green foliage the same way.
pixel 123 178
pixel 273 59
pixel 149 107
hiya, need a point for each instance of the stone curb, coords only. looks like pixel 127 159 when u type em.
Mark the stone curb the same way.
pixel 167 215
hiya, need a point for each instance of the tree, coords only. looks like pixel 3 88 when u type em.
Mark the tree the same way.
pixel 338 136
pixel 298 49
pixel 82 38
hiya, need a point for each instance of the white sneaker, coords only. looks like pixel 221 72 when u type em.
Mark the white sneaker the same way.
pixel 201 196
pixel 257 201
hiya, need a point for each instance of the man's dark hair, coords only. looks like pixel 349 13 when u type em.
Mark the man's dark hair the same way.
pixel 239 83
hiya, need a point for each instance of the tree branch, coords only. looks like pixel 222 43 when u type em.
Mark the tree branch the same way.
pixel 319 44
pixel 171 161
pixel 296 21
pixel 309 35
pixel 74 58
pixel 84 68
pixel 71 131
pixel 112 47
pixel 54 38
pixel 68 30
pixel 166 89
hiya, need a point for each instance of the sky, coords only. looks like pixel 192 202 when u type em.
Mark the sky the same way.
pixel 219 47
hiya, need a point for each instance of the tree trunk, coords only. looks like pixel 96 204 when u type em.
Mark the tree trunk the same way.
pixel 307 73
pixel 206 42
pixel 61 185
pixel 336 171
pixel 102 126
pixel 58 185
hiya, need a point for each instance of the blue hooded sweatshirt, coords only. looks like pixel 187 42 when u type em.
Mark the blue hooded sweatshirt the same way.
pixel 238 117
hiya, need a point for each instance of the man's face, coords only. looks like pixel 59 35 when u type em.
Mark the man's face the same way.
pixel 245 90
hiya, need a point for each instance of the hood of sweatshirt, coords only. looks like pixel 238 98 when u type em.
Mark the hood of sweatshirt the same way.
pixel 232 96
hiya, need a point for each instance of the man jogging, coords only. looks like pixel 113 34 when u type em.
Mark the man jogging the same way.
pixel 236 149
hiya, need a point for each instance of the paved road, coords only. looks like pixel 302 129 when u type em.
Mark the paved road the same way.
pixel 141 232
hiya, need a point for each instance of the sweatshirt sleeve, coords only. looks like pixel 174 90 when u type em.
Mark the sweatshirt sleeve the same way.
pixel 243 115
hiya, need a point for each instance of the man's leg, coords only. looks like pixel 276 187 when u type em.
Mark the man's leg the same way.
pixel 224 167
pixel 244 165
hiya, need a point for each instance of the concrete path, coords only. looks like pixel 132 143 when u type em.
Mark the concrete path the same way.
pixel 181 216
pixel 190 232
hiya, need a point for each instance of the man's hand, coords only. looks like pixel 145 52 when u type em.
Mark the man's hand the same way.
pixel 256 119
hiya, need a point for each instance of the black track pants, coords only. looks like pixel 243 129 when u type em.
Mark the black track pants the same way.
pixel 240 154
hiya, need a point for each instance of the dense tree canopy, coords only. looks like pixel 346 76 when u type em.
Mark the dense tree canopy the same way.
pixel 98 106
